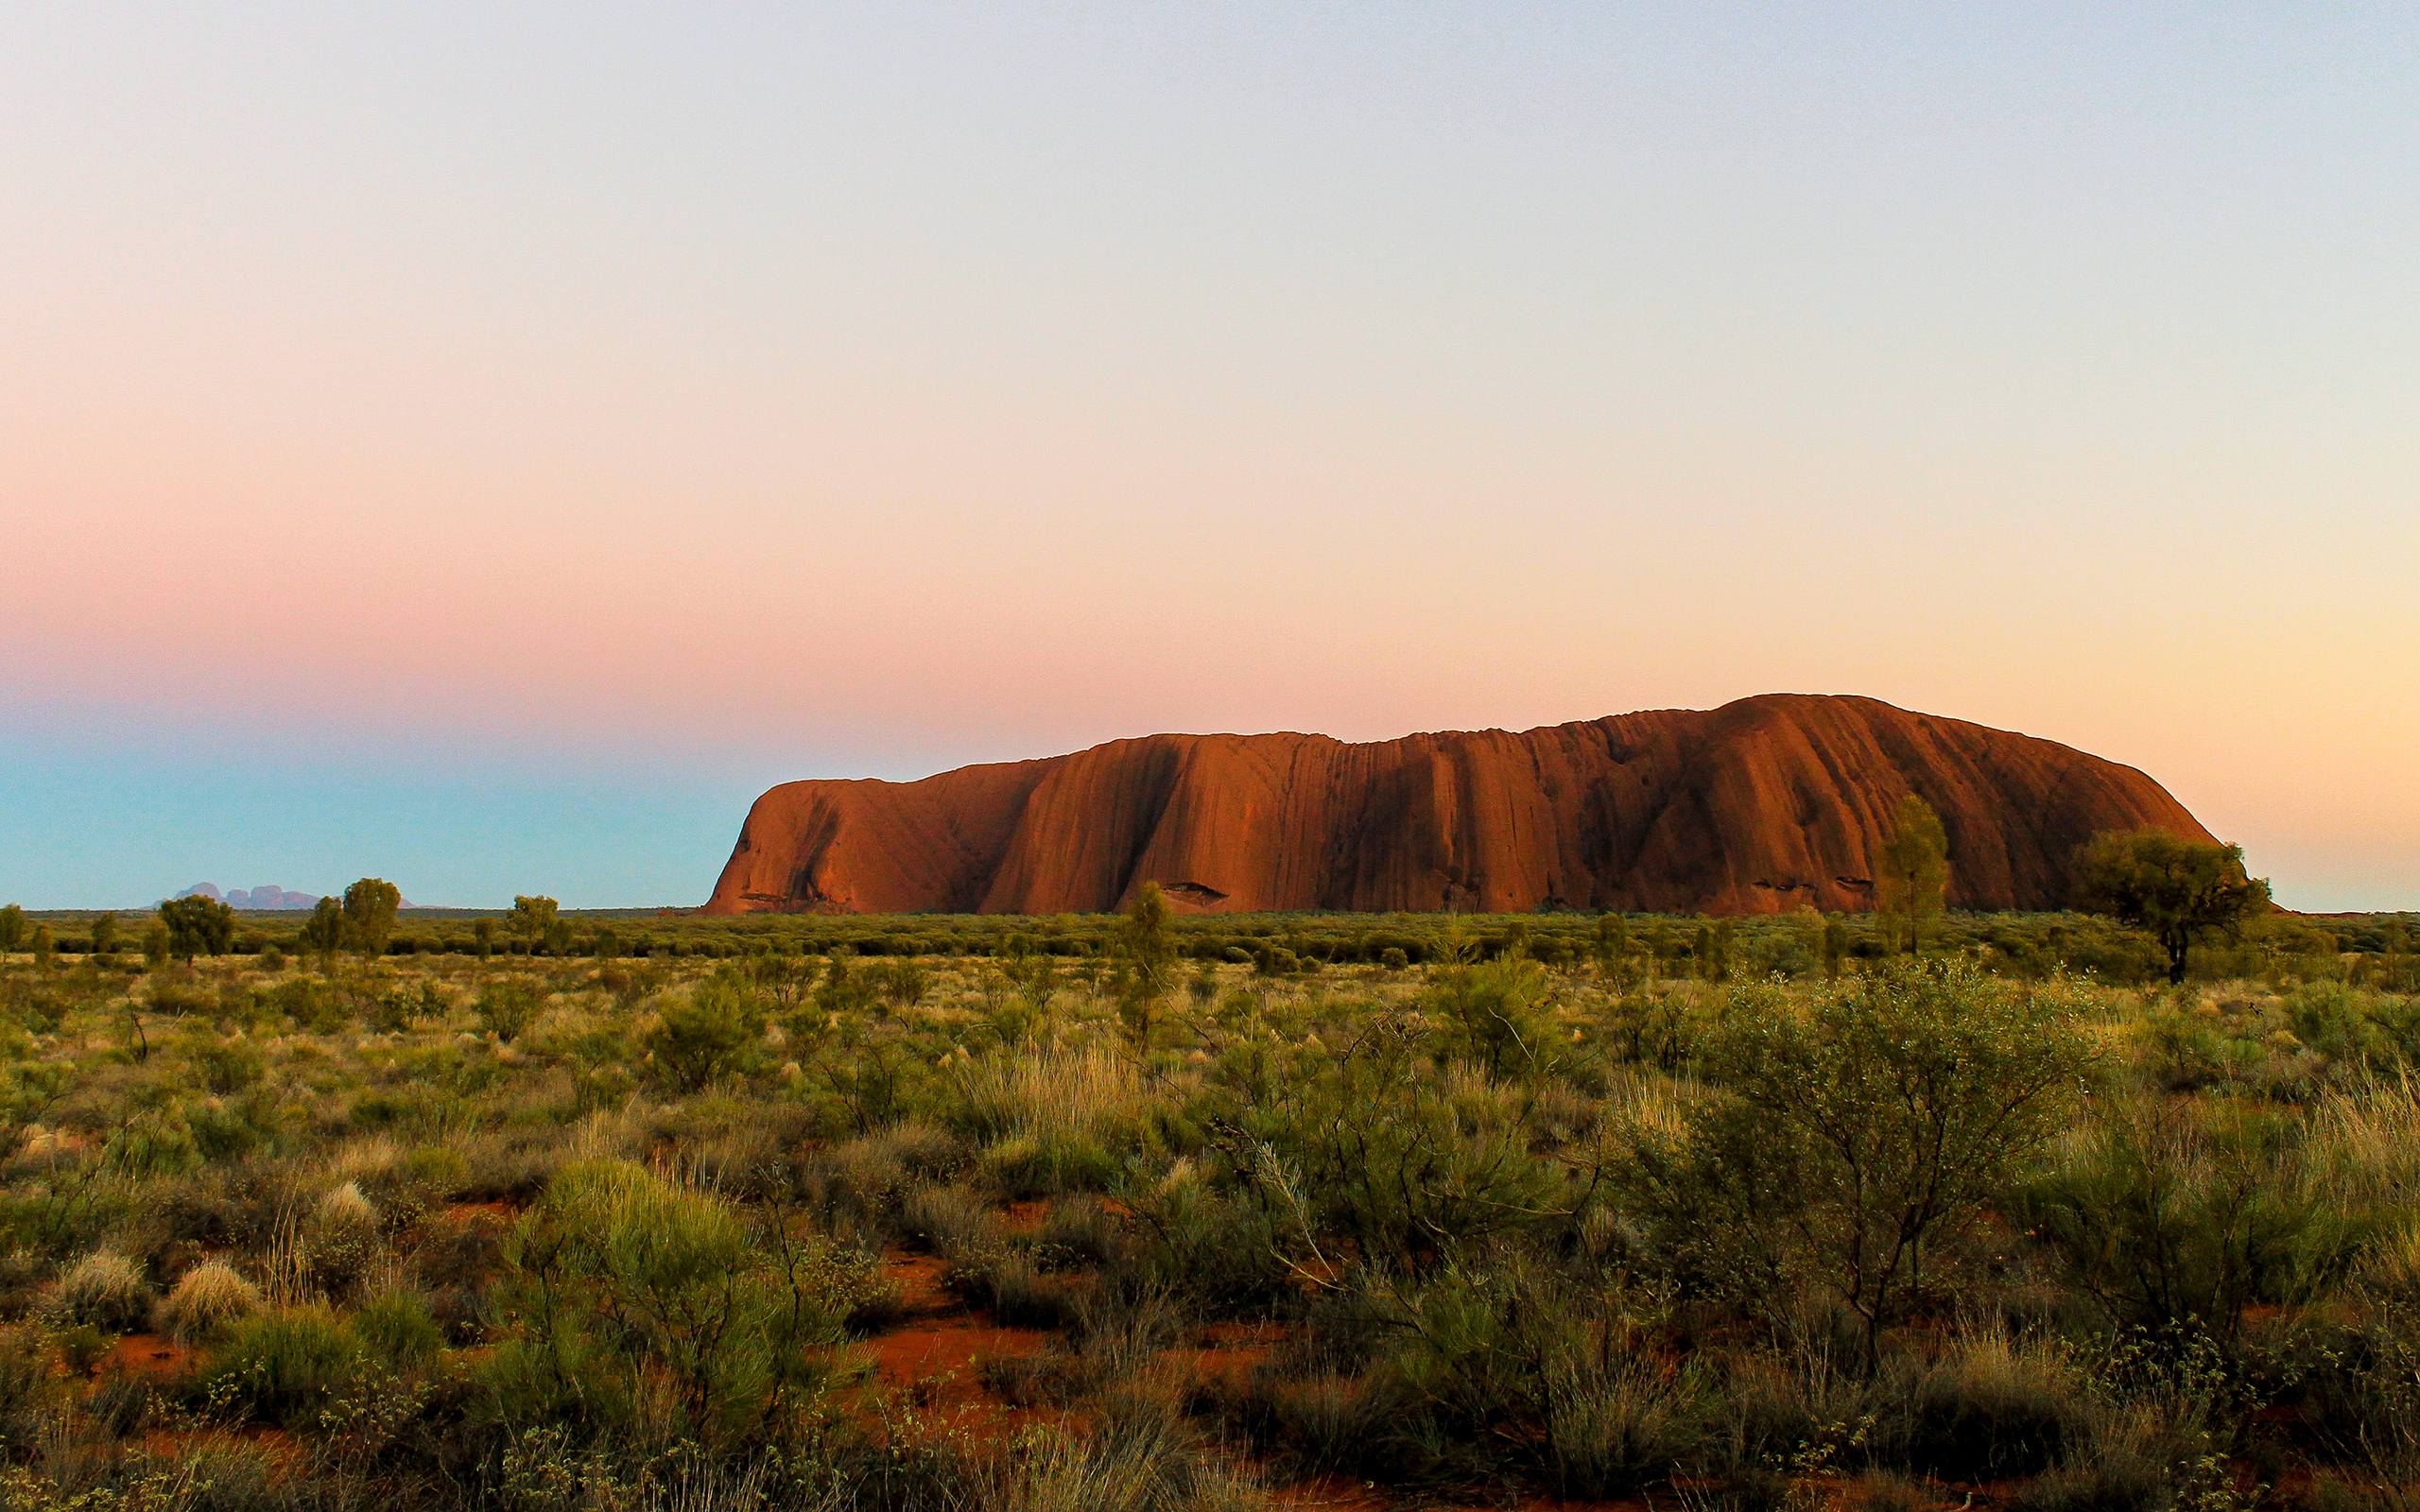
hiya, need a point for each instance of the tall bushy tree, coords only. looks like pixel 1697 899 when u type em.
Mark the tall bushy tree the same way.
pixel 533 920
pixel 2179 890
pixel 104 933
pixel 1913 880
pixel 369 907
pixel 198 926
pixel 1612 950
pixel 12 929
pixel 322 933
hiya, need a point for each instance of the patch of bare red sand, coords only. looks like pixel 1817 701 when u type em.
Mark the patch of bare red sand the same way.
pixel 934 1356
pixel 1226 1354
pixel 1332 1493
pixel 463 1214
pixel 146 1355
pixel 1026 1218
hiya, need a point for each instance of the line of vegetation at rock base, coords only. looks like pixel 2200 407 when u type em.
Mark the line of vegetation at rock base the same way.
pixel 1555 1212
pixel 1736 948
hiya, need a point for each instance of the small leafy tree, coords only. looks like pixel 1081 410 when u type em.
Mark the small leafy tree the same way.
pixel 104 933
pixel 532 920
pixel 1913 879
pixel 1146 952
pixel 483 938
pixel 322 933
pixel 2180 891
pixel 369 907
pixel 155 945
pixel 12 929
pixel 1613 949
pixel 198 926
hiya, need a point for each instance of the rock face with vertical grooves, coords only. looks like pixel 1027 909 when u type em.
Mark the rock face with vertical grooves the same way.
pixel 1760 806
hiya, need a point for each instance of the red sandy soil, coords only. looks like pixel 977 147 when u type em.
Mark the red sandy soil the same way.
pixel 145 1354
pixel 463 1214
pixel 934 1355
pixel 1026 1218
pixel 1765 805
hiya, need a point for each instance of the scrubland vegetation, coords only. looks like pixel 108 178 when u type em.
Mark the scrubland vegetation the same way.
pixel 1207 1213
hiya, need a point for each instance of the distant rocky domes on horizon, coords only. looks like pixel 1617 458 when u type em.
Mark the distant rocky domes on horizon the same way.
pixel 267 897
pixel 1764 805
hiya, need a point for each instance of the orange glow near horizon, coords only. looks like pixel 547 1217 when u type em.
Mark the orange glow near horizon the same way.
pixel 861 396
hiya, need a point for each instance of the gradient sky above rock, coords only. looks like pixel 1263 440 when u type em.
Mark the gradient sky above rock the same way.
pixel 486 445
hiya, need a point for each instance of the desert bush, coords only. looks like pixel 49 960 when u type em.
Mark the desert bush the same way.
pixel 1494 1014
pixel 1145 1458
pixel 505 1009
pixel 158 1143
pixel 285 1364
pixel 901 982
pixel 398 1328
pixel 206 1300
pixel 704 1036
pixel 1055 1119
pixel 104 1290
pixel 643 1307
pixel 341 1237
pixel 1380 1151
pixel 1991 1406
pixel 1859 1127
pixel 2175 1225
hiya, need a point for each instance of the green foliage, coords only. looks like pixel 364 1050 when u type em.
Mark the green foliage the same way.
pixel 369 907
pixel 507 1007
pixel 1495 1014
pixel 1147 956
pixel 705 1035
pixel 1409 1171
pixel 1856 1127
pixel 198 926
pixel 322 933
pixel 396 1327
pixel 287 1363
pixel 532 920
pixel 1541 1209
pixel 12 928
pixel 2176 1226
pixel 643 1307
pixel 1911 875
pixel 2180 891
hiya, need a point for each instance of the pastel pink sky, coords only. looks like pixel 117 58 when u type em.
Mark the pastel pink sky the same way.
pixel 708 402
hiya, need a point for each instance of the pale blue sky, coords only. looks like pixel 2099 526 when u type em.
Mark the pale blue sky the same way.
pixel 485 445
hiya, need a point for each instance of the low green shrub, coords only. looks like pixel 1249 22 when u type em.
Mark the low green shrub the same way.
pixel 639 1306
pixel 287 1363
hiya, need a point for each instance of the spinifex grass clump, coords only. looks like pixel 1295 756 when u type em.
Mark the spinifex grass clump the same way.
pixel 102 1290
pixel 206 1301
